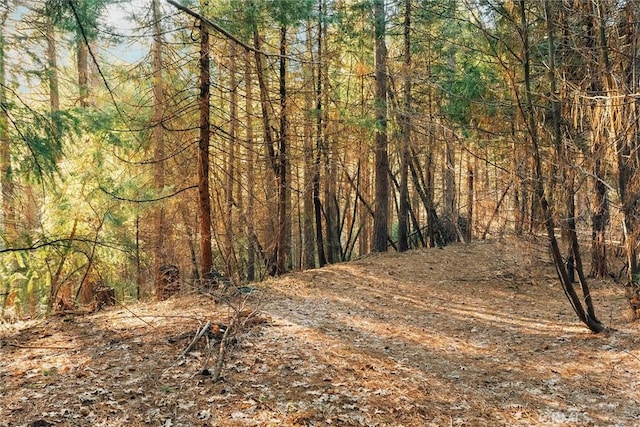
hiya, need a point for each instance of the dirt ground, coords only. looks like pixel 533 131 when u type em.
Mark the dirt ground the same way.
pixel 472 335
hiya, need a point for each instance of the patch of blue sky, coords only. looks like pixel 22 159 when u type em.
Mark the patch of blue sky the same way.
pixel 125 19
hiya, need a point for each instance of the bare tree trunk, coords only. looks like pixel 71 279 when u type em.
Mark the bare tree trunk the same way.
pixel 157 136
pixel 251 250
pixel 470 201
pixel 317 203
pixel 403 226
pixel 282 246
pixel 424 187
pixel 381 211
pixel 206 254
pixel 231 264
pixel 270 153
pixel 307 221
pixel 83 74
pixel 518 203
pixel 449 211
pixel 139 280
pixel 317 208
pixel 309 249
pixel 332 210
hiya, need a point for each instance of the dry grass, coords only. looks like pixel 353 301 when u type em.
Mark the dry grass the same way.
pixel 477 334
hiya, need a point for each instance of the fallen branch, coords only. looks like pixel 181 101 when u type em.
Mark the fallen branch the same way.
pixel 36 347
pixel 199 335
pixel 222 349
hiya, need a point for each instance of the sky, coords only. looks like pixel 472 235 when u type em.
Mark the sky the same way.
pixel 120 18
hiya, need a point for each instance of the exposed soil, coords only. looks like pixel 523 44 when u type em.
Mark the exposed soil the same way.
pixel 477 334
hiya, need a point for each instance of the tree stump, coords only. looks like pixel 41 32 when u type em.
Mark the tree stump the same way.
pixel 632 292
pixel 103 296
pixel 168 281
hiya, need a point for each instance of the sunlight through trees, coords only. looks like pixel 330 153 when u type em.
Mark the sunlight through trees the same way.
pixel 249 138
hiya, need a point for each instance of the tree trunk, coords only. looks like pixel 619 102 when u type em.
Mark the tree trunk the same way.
pixel 83 73
pixel 403 226
pixel 231 264
pixel 282 246
pixel 157 137
pixel 273 168
pixel 424 187
pixel 139 280
pixel 206 254
pixel 251 249
pixel 566 168
pixel 9 229
pixel 449 211
pixel 52 67
pixel 601 216
pixel 470 201
pixel 332 210
pixel 381 211
pixel 309 248
pixel 317 203
pixel 307 220
pixel 591 322
pixel 627 147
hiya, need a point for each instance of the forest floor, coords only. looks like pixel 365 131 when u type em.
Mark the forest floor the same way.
pixel 477 334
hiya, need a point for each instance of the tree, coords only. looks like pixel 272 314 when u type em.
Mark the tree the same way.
pixel 320 120
pixel 9 232
pixel 309 249
pixel 626 134
pixel 406 135
pixel 81 18
pixel 283 228
pixel 314 139
pixel 381 213
pixel 249 149
pixel 586 316
pixel 157 136
pixel 204 206
pixel 601 216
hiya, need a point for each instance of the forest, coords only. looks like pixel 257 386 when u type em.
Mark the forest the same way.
pixel 149 143
pixel 319 212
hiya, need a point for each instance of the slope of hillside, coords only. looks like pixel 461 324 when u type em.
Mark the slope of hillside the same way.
pixel 477 334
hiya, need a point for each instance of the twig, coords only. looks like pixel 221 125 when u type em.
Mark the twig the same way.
pixel 221 350
pixel 137 316
pixel 47 347
pixel 199 335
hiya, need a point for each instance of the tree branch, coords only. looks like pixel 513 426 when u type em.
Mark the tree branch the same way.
pixel 60 241
pixel 157 199
pixel 227 34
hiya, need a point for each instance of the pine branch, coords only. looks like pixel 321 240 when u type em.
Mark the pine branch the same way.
pixel 227 34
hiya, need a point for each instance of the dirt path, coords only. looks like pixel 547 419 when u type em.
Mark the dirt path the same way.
pixel 477 334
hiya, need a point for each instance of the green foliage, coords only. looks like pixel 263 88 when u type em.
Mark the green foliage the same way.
pixel 290 12
pixel 463 87
pixel 23 283
pixel 465 77
pixel 42 141
pixel 65 14
pixel 241 17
